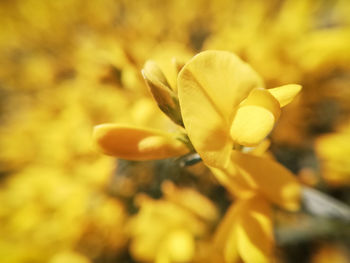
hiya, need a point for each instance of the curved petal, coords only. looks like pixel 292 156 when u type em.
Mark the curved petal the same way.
pixel 286 93
pixel 225 236
pixel 269 178
pixel 255 118
pixel 132 143
pixel 191 200
pixel 246 231
pixel 210 87
pixel 232 181
pixel 253 230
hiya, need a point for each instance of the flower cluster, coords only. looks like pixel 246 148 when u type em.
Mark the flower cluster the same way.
pixel 195 179
pixel 224 109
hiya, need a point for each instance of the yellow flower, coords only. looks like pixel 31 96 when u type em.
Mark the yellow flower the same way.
pixel 225 107
pixel 333 150
pixel 224 103
pixel 165 230
pixel 226 111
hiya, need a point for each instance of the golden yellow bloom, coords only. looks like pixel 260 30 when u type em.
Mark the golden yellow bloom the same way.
pixel 224 107
pixel 69 65
pixel 226 111
pixel 224 103
pixel 165 230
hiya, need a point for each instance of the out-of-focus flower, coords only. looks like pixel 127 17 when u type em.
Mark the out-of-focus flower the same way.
pixel 330 253
pixel 334 150
pixel 166 230
pixel 53 184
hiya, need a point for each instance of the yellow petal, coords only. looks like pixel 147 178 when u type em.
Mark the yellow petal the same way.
pixel 246 231
pixel 191 200
pixel 269 178
pixel 286 93
pixel 210 87
pixel 253 230
pixel 232 181
pixel 132 143
pixel 224 237
pixel 255 118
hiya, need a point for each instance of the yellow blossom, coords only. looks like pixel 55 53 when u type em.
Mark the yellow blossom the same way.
pixel 165 230
pixel 69 65
pixel 333 150
pixel 225 107
pixel 224 103
pixel 225 110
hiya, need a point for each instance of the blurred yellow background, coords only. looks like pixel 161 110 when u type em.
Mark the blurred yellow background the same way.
pixel 68 65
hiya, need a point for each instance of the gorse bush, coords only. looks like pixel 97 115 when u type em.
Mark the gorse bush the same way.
pixel 225 124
